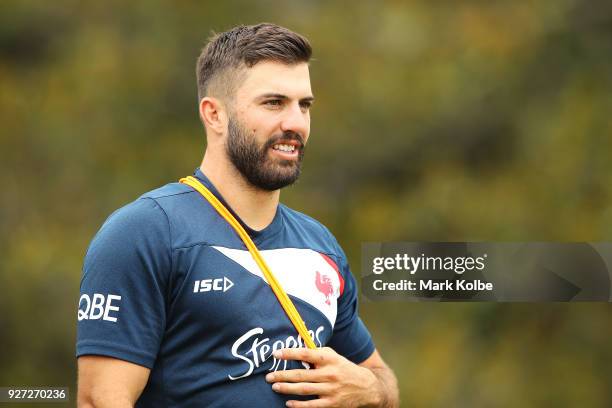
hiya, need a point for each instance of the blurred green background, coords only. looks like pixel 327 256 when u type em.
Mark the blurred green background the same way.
pixel 434 120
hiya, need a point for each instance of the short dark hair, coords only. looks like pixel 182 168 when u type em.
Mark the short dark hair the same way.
pixel 244 46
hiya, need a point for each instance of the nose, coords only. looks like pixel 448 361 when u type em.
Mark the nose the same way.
pixel 296 120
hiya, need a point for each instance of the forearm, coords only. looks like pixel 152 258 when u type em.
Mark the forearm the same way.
pixel 87 401
pixel 84 402
pixel 108 382
pixel 388 391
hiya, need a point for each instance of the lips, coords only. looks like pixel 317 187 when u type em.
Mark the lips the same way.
pixel 285 151
pixel 287 148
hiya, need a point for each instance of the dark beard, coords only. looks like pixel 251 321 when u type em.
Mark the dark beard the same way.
pixel 253 163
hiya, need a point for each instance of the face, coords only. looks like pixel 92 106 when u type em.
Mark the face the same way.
pixel 270 125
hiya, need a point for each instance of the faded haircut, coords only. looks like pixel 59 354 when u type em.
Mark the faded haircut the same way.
pixel 221 65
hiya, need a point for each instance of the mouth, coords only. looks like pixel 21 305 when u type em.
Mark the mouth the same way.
pixel 287 149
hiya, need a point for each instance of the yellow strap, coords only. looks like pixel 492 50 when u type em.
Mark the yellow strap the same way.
pixel 282 297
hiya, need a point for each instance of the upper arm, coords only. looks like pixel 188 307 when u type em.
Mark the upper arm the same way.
pixel 122 304
pixel 109 382
pixel 350 337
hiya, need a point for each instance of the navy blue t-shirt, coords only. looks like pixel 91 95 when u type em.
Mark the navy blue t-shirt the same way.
pixel 169 285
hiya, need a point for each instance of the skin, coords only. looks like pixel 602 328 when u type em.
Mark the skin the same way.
pixel 273 98
pixel 335 380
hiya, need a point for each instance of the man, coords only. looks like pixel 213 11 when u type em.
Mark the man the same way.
pixel 173 310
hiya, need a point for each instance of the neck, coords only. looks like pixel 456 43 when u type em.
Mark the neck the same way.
pixel 254 206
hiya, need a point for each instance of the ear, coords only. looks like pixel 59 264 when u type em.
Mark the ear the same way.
pixel 213 114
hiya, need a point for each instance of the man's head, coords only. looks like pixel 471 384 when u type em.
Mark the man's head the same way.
pixel 254 93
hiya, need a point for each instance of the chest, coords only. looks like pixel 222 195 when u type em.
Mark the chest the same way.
pixel 222 290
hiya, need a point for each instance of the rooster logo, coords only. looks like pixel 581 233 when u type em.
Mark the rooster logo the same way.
pixel 324 285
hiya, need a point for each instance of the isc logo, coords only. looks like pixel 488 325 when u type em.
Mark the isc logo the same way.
pixel 206 285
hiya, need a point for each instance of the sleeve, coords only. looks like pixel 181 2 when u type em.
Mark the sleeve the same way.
pixel 122 305
pixel 350 337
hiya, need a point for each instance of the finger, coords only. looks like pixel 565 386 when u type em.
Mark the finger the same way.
pixel 316 403
pixel 296 375
pixel 300 388
pixel 317 357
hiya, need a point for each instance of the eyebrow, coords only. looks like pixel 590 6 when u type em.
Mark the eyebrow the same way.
pixel 283 97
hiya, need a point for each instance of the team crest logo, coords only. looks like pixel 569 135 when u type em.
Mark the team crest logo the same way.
pixel 324 285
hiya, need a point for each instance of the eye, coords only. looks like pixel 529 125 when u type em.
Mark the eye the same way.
pixel 273 102
pixel 306 105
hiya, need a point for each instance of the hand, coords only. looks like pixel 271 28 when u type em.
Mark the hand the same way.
pixel 337 381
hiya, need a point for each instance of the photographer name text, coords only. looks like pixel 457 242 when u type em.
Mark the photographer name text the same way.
pixel 432 285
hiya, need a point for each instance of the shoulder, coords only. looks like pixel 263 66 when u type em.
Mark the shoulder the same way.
pixel 145 211
pixel 153 207
pixel 300 220
pixel 141 218
pixel 133 236
pixel 312 232
pixel 168 192
pixel 177 213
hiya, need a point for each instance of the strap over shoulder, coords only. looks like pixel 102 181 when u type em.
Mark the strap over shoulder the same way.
pixel 278 290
